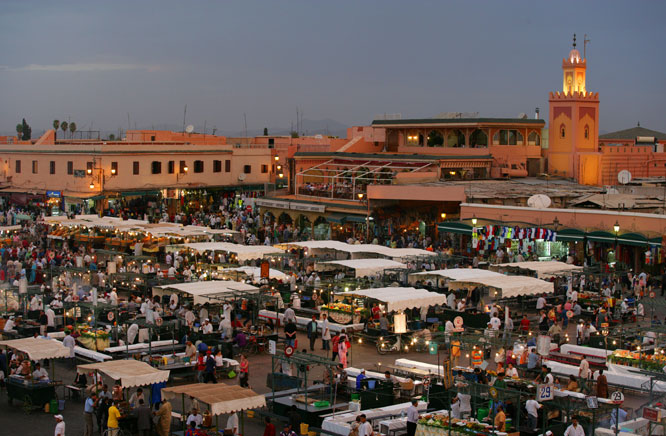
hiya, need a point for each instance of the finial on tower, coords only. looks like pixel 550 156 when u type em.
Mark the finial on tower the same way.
pixel 574 42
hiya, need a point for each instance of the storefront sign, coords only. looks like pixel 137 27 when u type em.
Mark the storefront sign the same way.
pixel 617 397
pixel 79 173
pixel 307 207
pixel 652 414
pixel 544 393
pixel 53 194
pixel 272 203
pixel 265 270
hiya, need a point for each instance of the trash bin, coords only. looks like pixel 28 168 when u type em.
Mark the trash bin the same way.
pixel 53 406
pixel 304 428
pixel 61 404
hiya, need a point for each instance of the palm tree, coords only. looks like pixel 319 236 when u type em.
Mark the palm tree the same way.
pixel 56 124
pixel 19 131
pixel 63 126
pixel 72 128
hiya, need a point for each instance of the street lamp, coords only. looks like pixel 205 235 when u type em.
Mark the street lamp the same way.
pixel 360 196
pixel 616 229
pixel 474 220
pixel 443 215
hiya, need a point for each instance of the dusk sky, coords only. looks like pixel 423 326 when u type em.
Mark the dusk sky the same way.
pixel 93 62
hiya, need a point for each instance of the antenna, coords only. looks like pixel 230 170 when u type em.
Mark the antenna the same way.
pixel 245 123
pixel 205 127
pixel 585 41
pixel 184 115
pixel 574 43
pixel 129 126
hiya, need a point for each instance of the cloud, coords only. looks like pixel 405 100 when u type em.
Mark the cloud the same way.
pixel 83 67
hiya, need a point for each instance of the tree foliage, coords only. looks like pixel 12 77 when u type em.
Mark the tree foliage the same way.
pixel 26 130
pixel 64 126
pixel 265 131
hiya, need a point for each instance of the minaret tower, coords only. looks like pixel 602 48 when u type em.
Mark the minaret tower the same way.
pixel 573 128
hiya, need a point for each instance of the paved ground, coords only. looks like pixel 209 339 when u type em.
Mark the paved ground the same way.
pixel 13 421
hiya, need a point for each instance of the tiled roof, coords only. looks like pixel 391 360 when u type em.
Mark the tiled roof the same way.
pixel 633 133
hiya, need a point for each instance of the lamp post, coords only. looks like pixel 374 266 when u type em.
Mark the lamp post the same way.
pixel 616 229
pixel 361 197
pixel 474 220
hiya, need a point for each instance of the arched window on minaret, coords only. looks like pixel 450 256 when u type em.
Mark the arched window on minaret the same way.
pixel 587 131
pixel 563 131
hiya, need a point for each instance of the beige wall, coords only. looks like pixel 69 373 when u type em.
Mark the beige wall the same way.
pixel 125 155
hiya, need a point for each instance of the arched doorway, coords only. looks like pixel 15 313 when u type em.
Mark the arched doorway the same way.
pixel 455 138
pixel 285 218
pixel 435 138
pixel 478 138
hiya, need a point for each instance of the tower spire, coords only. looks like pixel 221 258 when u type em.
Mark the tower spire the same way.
pixel 574 41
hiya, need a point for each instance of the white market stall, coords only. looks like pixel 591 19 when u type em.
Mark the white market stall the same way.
pixel 545 269
pixel 508 286
pixel 241 252
pixel 397 298
pixel 130 372
pixel 221 398
pixel 38 348
pixel 207 291
pixel 355 251
pixel 255 273
pixel 453 274
pixel 361 267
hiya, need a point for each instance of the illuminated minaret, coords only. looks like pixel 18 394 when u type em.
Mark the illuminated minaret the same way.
pixel 573 128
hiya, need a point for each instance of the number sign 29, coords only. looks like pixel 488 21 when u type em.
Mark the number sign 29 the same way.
pixel 544 392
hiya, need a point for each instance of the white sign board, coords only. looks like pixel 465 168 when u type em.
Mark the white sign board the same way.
pixel 272 347
pixel 617 397
pixel 544 393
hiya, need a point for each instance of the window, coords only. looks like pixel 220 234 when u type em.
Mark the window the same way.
pixel 533 139
pixel 563 132
pixel 587 132
pixel 227 166
pixel 135 168
pixel 52 167
pixel 198 166
pixel 89 167
pixel 152 138
pixel 264 169
pixel 70 167
pixel 247 169
pixel 183 167
pixel 217 166
pixel 510 137
pixel 171 167
pixel 156 167
pixel 34 167
pixel 114 168
pixel 18 167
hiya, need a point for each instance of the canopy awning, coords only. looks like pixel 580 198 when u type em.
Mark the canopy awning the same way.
pixel 221 398
pixel 362 267
pixel 543 269
pixel 401 298
pixel 510 286
pixel 454 227
pixel 207 291
pixel 570 235
pixel 243 252
pixel 358 250
pixel 130 372
pixel 459 273
pixel 38 348
pixel 255 272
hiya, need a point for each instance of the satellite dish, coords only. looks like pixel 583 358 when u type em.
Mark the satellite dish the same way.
pixel 241 177
pixel 522 116
pixel 612 191
pixel 539 201
pixel 189 128
pixel 624 177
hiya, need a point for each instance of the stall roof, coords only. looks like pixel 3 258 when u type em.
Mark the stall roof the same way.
pixel 460 273
pixel 363 267
pixel 543 269
pixel 401 298
pixel 203 291
pixel 394 253
pixel 256 272
pixel 244 252
pixel 130 372
pixel 221 398
pixel 38 348
pixel 511 286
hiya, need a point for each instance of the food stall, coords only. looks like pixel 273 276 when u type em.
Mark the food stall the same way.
pixel 221 399
pixel 541 270
pixel 336 250
pixel 34 393
pixel 360 267
pixel 237 253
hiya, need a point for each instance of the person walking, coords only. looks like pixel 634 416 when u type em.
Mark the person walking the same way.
pixel 164 421
pixel 269 430
pixel 325 334
pixel 244 371
pixel 412 418
pixel 342 350
pixel 143 415
pixel 60 426
pixel 209 371
pixel 112 420
pixel 602 385
pixel 312 332
pixel 88 413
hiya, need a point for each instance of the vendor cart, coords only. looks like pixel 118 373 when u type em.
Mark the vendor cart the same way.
pixel 33 395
